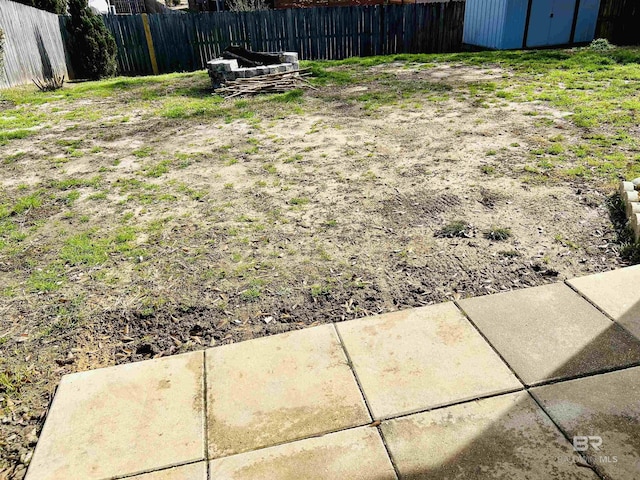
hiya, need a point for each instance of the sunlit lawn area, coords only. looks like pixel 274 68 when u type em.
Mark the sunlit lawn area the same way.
pixel 142 217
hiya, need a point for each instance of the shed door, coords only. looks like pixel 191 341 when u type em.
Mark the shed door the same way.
pixel 550 22
pixel 587 20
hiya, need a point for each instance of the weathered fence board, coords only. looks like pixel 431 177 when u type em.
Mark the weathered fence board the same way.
pixel 133 51
pixel 186 42
pixel 33 45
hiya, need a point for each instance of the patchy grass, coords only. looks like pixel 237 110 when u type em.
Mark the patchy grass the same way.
pixel 498 234
pixel 148 216
pixel 597 87
pixel 457 228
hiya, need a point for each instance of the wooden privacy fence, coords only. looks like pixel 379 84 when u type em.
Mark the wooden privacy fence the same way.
pixel 186 42
pixel 33 45
pixel 619 21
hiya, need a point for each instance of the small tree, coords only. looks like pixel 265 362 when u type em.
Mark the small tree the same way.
pixel 91 46
pixel 53 6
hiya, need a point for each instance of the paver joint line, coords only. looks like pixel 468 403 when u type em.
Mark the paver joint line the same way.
pixel 366 401
pixel 550 332
pixel 594 373
pixel 598 307
pixel 615 294
pixel 567 282
pixel 287 442
pixel 163 469
pixel 455 302
pixel 353 371
pixel 564 434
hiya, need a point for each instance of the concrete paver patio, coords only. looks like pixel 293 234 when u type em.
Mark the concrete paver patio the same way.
pixel 497 437
pixel 276 389
pixel 606 406
pixel 549 333
pixel 393 357
pixel 421 393
pixel 616 293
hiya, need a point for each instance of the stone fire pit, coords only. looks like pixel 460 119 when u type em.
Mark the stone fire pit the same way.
pixel 222 70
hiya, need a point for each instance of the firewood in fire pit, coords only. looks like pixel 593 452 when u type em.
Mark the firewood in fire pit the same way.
pixel 248 58
pixel 273 83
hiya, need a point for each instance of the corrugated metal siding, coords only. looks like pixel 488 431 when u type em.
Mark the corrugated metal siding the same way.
pixel 484 22
pixel 501 24
pixel 516 15
pixel 587 20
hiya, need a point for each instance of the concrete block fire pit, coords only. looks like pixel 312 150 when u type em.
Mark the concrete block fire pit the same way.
pixel 631 199
pixel 222 70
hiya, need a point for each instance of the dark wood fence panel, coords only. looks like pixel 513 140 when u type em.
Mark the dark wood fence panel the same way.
pixel 33 44
pixel 133 51
pixel 186 42
pixel 619 21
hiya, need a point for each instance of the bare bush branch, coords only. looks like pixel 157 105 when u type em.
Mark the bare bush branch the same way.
pixel 247 5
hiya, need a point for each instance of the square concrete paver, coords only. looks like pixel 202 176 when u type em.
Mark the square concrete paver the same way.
pixel 504 437
pixel 422 358
pixel 616 293
pixel 278 389
pixel 124 420
pixel 550 332
pixel 355 454
pixel 193 471
pixel 605 406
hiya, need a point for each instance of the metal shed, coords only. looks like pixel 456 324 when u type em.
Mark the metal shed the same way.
pixel 510 24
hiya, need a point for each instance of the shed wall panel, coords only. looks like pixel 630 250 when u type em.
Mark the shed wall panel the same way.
pixel 513 35
pixel 484 23
pixel 587 21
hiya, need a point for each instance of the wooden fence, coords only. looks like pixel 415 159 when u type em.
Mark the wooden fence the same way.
pixel 619 21
pixel 34 42
pixel 186 42
pixel 33 45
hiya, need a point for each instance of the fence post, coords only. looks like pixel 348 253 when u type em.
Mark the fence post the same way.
pixel 152 52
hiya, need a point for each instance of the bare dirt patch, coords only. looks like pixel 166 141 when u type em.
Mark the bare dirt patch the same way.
pixel 157 236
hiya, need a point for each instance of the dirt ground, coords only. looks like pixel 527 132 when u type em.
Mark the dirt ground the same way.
pixel 187 233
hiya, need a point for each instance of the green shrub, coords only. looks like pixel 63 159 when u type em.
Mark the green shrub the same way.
pixel 54 6
pixel 601 45
pixel 92 48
